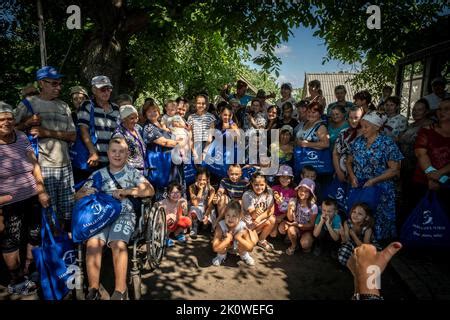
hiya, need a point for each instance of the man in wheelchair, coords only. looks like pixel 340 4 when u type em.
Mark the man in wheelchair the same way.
pixel 122 182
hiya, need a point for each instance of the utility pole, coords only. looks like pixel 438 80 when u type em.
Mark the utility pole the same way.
pixel 42 46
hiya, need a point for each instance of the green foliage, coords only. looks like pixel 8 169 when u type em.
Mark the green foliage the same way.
pixel 342 25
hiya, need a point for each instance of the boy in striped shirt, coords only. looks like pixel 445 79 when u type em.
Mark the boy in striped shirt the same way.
pixel 230 188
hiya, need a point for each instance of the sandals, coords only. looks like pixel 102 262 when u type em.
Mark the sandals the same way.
pixel 290 251
pixel 266 245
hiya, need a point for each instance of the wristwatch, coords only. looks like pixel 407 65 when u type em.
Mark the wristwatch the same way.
pixel 366 296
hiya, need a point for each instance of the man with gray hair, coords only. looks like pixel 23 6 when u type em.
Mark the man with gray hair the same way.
pixel 106 115
pixel 49 120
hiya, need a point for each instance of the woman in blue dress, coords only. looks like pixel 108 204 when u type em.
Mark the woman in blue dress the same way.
pixel 375 161
pixel 154 135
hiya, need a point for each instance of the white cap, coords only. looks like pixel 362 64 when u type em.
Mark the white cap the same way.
pixel 101 81
pixel 127 110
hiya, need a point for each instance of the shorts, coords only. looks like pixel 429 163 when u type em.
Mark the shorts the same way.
pixel 120 230
pixel 22 222
pixel 200 213
pixel 183 222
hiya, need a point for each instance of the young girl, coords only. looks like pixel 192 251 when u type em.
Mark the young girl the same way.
pixel 357 230
pixel 201 194
pixel 259 209
pixel 301 214
pixel 233 235
pixel 175 124
pixel 283 193
pixel 176 210
pixel 255 116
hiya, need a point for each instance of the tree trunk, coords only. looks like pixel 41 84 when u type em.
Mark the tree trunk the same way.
pixel 105 47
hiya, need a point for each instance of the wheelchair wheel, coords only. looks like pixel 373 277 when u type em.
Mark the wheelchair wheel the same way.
pixel 155 236
pixel 136 283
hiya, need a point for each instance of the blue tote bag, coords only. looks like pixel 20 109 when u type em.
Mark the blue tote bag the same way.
pixel 217 161
pixel 189 171
pixel 78 152
pixel 337 190
pixel 159 164
pixel 427 225
pixel 318 159
pixel 33 140
pixel 53 258
pixel 93 212
pixel 370 196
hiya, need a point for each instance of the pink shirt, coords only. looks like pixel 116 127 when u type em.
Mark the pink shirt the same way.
pixel 16 169
pixel 287 195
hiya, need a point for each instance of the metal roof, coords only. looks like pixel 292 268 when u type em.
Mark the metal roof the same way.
pixel 328 82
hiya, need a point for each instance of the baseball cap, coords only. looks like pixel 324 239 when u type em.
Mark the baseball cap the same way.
pixel 4 107
pixel 48 72
pixel 235 101
pixel 78 89
pixel 101 81
pixel 284 170
pixel 308 184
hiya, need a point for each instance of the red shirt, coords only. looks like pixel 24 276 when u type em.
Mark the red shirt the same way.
pixel 438 150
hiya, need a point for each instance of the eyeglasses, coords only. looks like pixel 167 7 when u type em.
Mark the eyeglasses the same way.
pixel 54 84
pixel 104 89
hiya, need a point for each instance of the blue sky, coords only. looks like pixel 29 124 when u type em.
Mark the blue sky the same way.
pixel 303 53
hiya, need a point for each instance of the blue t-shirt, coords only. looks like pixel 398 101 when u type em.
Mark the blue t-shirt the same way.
pixel 335 223
pixel 244 100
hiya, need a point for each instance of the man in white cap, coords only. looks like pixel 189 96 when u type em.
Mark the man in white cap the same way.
pixel 439 93
pixel 49 120
pixel 106 115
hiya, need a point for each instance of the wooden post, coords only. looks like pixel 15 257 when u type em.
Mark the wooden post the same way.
pixel 42 46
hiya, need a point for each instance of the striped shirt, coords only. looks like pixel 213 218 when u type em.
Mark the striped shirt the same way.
pixel 200 125
pixel 235 190
pixel 16 169
pixel 55 115
pixel 105 124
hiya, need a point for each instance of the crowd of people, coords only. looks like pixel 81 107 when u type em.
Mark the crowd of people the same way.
pixel 368 146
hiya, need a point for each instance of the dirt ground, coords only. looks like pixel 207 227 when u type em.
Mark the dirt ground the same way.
pixel 186 273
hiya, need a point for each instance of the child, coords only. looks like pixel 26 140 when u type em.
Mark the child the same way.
pixel 309 172
pixel 302 213
pixel 283 193
pixel 231 188
pixel 259 209
pixel 233 235
pixel 357 230
pixel 255 117
pixel 176 210
pixel 174 123
pixel 117 234
pixel 328 227
pixel 201 194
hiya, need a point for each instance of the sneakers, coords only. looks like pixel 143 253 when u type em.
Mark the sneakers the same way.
pixel 181 238
pixel 194 230
pixel 117 295
pixel 169 243
pixel 219 259
pixel 248 259
pixel 93 294
pixel 24 288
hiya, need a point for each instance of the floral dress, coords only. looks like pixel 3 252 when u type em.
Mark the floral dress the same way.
pixel 369 163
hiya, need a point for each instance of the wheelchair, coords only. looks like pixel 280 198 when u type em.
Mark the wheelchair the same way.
pixel 147 245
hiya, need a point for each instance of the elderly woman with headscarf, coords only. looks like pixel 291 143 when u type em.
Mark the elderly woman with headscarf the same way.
pixel 375 160
pixel 23 192
pixel 130 131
